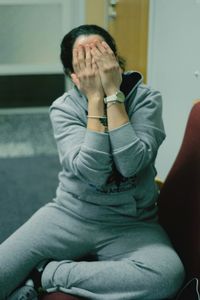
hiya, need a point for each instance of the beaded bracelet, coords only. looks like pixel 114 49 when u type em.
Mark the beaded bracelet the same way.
pixel 102 119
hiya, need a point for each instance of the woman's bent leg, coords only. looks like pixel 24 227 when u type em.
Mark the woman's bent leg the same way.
pixel 51 233
pixel 136 263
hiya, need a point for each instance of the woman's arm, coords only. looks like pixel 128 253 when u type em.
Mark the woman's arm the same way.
pixel 87 78
pixel 111 78
pixel 136 138
pixel 83 151
pixel 135 144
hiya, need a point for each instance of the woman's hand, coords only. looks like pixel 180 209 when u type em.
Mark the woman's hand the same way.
pixel 86 75
pixel 109 69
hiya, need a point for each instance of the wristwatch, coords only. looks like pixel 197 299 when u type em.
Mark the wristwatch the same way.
pixel 117 97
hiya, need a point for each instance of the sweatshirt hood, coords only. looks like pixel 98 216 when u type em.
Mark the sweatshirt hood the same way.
pixel 130 81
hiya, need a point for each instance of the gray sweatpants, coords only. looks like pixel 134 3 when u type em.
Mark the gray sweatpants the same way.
pixel 134 258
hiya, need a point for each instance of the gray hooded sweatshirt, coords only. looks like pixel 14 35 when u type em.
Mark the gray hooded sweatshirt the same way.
pixel 113 168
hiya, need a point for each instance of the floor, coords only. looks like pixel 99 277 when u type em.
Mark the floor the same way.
pixel 26 133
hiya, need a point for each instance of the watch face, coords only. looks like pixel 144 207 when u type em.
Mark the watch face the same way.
pixel 120 96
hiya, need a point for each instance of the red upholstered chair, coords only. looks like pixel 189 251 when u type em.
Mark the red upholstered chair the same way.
pixel 179 202
pixel 59 296
pixel 179 207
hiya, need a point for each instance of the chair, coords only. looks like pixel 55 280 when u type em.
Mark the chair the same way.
pixel 179 202
pixel 59 296
pixel 179 207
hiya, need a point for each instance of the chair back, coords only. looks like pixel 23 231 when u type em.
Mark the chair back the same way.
pixel 179 200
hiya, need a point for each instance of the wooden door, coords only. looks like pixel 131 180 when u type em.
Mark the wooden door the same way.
pixel 130 30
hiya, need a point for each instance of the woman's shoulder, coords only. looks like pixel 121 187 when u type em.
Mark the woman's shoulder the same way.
pixel 60 101
pixel 68 100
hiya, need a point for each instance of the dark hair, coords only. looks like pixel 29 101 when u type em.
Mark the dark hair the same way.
pixel 70 38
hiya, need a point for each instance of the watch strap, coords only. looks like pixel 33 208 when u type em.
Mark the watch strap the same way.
pixel 117 97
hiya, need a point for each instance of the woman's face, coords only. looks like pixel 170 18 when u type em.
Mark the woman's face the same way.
pixel 87 39
pixel 84 40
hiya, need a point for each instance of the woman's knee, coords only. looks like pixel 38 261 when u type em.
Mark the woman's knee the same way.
pixel 172 277
pixel 161 278
pixel 168 279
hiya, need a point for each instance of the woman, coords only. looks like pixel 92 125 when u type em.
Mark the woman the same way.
pixel 108 130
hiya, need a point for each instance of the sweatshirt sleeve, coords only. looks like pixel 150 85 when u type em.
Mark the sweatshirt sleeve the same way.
pixel 82 152
pixel 135 144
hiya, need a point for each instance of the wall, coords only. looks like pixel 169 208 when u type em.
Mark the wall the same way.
pixel 95 12
pixel 29 56
pixel 173 66
pixel 130 31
